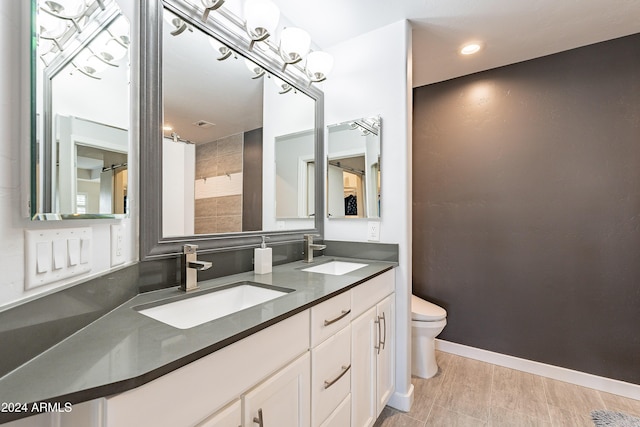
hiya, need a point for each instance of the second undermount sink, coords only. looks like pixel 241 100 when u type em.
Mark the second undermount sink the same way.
pixel 204 307
pixel 335 268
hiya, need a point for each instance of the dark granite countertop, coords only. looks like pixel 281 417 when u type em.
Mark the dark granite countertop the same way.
pixel 125 349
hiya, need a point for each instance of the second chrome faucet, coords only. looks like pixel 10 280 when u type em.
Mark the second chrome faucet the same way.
pixel 309 247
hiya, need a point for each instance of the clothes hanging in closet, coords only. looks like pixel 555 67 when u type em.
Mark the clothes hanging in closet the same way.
pixel 351 205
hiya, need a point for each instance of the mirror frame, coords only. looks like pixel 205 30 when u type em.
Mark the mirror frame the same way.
pixel 111 12
pixel 152 244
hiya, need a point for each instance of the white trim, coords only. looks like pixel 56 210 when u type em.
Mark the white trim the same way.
pixel 583 379
pixel 402 401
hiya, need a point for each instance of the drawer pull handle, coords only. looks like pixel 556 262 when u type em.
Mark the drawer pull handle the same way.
pixel 341 316
pixel 258 420
pixel 328 384
pixel 380 343
pixel 384 329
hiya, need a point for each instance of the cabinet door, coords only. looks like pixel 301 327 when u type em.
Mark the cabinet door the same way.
pixel 364 339
pixel 385 357
pixel 283 400
pixel 231 416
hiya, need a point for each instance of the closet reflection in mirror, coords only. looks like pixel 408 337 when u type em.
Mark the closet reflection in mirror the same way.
pixel 353 169
pixel 224 120
pixel 80 137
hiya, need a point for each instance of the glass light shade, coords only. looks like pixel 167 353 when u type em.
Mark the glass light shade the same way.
pixel 283 87
pixel 294 43
pixel 115 50
pixel 319 65
pixel 120 28
pixel 50 26
pixel 71 8
pixel 90 60
pixel 261 14
pixel 255 69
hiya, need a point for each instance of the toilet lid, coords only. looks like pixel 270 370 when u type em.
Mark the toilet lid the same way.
pixel 426 311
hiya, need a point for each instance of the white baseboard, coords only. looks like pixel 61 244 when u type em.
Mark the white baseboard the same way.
pixel 402 401
pixel 555 372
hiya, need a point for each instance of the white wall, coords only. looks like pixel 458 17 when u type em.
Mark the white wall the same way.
pixel 14 166
pixel 372 76
pixel 178 188
pixel 283 114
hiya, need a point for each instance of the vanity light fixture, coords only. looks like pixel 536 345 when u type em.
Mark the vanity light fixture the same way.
pixel 470 48
pixel 294 45
pixel 319 65
pixel 58 21
pixel 259 24
pixel 261 17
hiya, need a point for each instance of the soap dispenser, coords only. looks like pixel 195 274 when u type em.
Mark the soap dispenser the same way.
pixel 262 258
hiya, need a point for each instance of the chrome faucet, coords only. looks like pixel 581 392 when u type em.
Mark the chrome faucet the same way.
pixel 309 247
pixel 190 267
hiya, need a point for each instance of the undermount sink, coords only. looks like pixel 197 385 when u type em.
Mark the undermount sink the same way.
pixel 200 308
pixel 336 268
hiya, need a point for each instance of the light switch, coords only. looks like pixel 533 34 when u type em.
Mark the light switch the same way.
pixel 59 253
pixel 85 251
pixel 43 257
pixel 117 245
pixel 73 247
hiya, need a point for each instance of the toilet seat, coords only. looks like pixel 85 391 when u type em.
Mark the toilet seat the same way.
pixel 424 311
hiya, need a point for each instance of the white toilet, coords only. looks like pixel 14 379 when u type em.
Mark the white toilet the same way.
pixel 427 321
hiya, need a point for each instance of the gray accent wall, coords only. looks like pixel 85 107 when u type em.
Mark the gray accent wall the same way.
pixel 526 219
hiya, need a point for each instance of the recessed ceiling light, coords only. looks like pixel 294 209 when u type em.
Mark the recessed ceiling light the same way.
pixel 470 48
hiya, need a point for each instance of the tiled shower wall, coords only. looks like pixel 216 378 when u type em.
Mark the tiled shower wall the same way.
pixel 219 159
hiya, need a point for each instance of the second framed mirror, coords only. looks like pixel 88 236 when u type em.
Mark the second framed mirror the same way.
pixel 353 169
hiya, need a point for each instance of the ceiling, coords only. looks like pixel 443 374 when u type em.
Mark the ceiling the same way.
pixel 510 30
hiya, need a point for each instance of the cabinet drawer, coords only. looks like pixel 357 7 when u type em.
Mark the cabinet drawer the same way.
pixel 329 317
pixel 330 375
pixel 371 292
pixel 341 417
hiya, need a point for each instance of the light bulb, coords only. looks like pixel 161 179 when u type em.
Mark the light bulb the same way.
pixel 294 44
pixel 470 49
pixel 319 65
pixel 262 17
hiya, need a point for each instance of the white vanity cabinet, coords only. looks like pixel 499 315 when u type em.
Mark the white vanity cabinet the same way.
pixel 191 394
pixel 283 400
pixel 231 416
pixel 330 357
pixel 372 349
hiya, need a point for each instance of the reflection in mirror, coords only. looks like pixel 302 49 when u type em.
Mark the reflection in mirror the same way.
pixel 81 110
pixel 353 169
pixel 225 118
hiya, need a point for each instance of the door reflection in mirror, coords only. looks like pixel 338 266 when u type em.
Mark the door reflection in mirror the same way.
pixel 353 169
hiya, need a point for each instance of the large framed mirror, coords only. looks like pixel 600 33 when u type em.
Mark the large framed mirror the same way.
pixel 80 109
pixel 354 169
pixel 231 144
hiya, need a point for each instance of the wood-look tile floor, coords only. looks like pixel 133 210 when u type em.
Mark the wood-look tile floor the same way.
pixel 470 393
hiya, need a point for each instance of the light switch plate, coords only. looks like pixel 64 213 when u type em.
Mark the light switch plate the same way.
pixel 58 242
pixel 117 245
pixel 373 231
